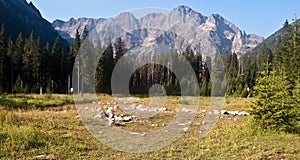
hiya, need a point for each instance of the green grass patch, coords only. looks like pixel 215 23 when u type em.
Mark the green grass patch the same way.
pixel 35 101
pixel 57 134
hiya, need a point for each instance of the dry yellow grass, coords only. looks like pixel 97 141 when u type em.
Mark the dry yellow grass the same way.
pixel 56 134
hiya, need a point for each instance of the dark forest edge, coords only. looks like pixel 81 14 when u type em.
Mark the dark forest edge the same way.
pixel 28 67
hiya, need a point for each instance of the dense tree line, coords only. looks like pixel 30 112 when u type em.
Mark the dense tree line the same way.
pixel 144 77
pixel 277 104
pixel 28 67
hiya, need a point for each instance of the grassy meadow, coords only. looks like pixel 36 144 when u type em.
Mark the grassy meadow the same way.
pixel 46 127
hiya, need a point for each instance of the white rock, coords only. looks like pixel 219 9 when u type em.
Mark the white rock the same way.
pixel 185 129
pixel 186 110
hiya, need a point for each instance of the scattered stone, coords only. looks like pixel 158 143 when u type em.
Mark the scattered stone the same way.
pixel 235 113
pixel 127 118
pixel 243 113
pixel 111 121
pixel 77 117
pixel 136 133
pixel 123 118
pixel 154 125
pixel 185 129
pixel 203 111
pixel 41 157
pixel 186 110
pixel 140 107
pixel 116 107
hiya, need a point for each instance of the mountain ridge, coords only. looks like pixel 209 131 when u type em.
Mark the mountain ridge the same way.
pixel 183 21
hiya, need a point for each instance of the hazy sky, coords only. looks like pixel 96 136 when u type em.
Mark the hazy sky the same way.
pixel 262 17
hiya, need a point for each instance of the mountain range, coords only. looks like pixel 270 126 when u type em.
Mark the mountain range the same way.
pixel 179 28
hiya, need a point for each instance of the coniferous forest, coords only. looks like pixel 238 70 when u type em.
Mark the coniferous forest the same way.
pixel 27 66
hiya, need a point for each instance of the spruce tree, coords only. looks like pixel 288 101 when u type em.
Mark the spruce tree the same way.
pixel 56 65
pixel 18 54
pixel 296 106
pixel 272 108
pixel 108 67
pixel 120 49
pixel 2 58
pixel 31 62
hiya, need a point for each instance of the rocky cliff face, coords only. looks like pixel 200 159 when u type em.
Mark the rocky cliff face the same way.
pixel 180 28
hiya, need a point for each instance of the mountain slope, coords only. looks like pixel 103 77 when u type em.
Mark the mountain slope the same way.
pixel 181 27
pixel 19 16
pixel 272 40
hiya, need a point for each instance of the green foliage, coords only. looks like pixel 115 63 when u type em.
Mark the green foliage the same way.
pixel 296 106
pixel 29 102
pixel 273 107
pixel 18 87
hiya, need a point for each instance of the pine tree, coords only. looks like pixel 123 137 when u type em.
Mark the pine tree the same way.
pixel 85 33
pixel 9 66
pixel 46 67
pixel 56 65
pixel 18 54
pixel 2 60
pixel 31 62
pixel 77 43
pixel 120 49
pixel 218 77
pixel 108 66
pixel 206 84
pixel 272 108
pixel 296 107
pixel 232 74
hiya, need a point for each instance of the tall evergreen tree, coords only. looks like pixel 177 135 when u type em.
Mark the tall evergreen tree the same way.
pixel 108 66
pixel 9 66
pixel 2 60
pixel 232 74
pixel 120 49
pixel 85 33
pixel 56 66
pixel 31 63
pixel 18 55
pixel 46 69
pixel 272 108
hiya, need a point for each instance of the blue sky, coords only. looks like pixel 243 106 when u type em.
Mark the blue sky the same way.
pixel 255 16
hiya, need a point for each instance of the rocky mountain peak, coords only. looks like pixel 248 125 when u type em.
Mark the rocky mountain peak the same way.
pixel 187 12
pixel 181 27
pixel 184 10
pixel 125 15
